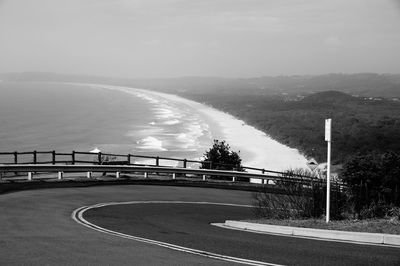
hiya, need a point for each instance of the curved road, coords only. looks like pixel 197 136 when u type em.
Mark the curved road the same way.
pixel 36 228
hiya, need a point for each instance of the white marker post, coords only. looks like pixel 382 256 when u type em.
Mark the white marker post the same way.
pixel 328 123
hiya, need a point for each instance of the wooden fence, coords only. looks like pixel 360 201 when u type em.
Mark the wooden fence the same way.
pixel 52 161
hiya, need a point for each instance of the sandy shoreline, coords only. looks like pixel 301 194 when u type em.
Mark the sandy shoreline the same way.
pixel 256 148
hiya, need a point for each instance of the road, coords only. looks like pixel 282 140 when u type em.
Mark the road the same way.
pixel 36 228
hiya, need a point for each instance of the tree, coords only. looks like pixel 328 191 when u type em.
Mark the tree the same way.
pixel 220 157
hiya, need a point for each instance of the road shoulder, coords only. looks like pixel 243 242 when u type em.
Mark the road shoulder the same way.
pixel 322 234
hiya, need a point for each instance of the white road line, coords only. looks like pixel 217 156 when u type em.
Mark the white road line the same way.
pixel 77 215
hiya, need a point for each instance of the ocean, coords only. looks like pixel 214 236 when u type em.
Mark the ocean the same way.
pixel 66 117
pixel 81 117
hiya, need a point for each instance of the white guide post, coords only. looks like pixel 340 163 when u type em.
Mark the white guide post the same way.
pixel 117 175
pixel 173 176
pixel 328 125
pixel 30 176
pixel 60 175
pixel 89 174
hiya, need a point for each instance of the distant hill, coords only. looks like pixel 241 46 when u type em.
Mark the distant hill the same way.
pixel 330 97
pixel 361 84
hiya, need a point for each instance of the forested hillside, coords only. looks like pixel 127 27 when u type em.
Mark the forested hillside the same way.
pixel 359 125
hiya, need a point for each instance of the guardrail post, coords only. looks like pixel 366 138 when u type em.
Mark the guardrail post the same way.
pixel 89 174
pixel 117 175
pixel 233 179
pixel 53 157
pixel 30 176
pixel 60 175
pixel 146 175
pixel 73 157
pixel 184 166
pixel 173 176
pixel 204 177
pixel 34 157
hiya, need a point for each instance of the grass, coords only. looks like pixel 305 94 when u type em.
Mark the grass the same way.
pixel 386 226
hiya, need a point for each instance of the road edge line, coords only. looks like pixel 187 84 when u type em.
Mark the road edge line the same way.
pixel 77 216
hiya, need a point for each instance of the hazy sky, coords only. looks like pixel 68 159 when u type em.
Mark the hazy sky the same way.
pixel 231 38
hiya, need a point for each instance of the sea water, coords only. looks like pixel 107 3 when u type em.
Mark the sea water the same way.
pixel 66 117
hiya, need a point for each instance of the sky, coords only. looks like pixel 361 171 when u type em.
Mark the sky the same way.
pixel 226 38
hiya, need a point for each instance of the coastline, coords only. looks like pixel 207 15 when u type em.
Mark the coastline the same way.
pixel 256 148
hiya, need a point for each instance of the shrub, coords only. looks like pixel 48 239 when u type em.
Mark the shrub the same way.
pixel 373 182
pixel 221 157
pixel 302 195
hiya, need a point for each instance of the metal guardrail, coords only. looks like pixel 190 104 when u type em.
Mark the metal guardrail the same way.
pixel 30 169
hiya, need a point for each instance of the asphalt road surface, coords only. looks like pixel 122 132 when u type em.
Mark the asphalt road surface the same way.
pixel 36 228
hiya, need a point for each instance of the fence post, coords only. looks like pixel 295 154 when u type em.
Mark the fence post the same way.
pixel 34 157
pixel 157 161
pixel 129 159
pixel 16 160
pixel 99 158
pixel 54 157
pixel 184 163
pixel 73 157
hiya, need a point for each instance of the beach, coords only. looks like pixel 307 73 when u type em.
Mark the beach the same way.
pixel 256 148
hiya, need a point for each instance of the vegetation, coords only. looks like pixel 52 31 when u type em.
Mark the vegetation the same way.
pixel 359 125
pixel 220 157
pixel 373 184
pixel 301 199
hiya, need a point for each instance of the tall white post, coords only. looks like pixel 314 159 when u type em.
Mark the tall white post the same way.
pixel 328 123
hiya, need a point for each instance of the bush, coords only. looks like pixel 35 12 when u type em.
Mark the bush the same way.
pixel 302 195
pixel 373 182
pixel 220 157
